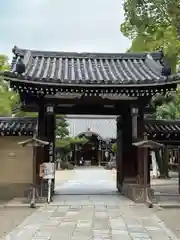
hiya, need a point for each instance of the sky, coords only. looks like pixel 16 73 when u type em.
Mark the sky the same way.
pixel 62 25
pixel 106 128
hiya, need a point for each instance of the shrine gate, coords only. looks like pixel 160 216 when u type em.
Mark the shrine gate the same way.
pixel 120 84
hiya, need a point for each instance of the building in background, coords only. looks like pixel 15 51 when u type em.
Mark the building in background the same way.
pixel 100 134
pixel 106 128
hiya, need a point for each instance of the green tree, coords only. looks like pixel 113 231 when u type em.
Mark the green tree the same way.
pixel 153 25
pixel 167 107
pixel 7 97
pixel 62 125
pixel 146 17
pixel 64 142
pixel 114 147
pixel 169 111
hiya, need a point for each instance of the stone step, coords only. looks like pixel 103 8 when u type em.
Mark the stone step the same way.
pixel 39 200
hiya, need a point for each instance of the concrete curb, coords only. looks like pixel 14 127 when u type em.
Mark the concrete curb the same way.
pixel 170 206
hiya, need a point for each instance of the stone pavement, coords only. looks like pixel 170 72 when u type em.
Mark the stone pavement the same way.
pixel 92 180
pixel 91 216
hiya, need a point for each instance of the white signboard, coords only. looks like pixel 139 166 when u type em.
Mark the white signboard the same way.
pixel 49 170
pixel 106 154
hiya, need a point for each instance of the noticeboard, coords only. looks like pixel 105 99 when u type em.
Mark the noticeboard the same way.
pixel 47 170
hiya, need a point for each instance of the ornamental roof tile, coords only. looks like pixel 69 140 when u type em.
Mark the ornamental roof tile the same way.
pixel 89 68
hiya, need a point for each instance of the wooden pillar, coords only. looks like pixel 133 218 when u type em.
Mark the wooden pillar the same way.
pixel 179 170
pixel 45 131
pixel 140 135
pixel 50 127
pixel 135 138
pixel 140 124
pixel 40 130
pixel 165 162
pixel 119 166
pixel 140 153
pixel 128 159
pixel 50 123
pixel 135 123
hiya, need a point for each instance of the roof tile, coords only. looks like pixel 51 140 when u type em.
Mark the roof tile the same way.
pixel 25 126
pixel 162 127
pixel 14 126
pixel 88 68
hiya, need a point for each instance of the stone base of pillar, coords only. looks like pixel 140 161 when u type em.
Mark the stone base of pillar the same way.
pixel 136 192
pixel 119 187
pixel 129 180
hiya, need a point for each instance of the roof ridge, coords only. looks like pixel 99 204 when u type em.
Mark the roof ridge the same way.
pixel 149 121
pixel 17 118
pixel 45 53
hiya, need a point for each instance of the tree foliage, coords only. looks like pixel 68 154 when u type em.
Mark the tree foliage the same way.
pixel 62 125
pixel 69 142
pixel 114 147
pixel 168 106
pixel 146 16
pixel 63 140
pixel 153 25
pixel 7 97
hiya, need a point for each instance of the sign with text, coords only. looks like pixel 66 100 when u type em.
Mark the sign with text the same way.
pixel 48 170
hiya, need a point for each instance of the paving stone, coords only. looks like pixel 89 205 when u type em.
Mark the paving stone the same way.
pixel 88 217
pixel 152 228
pixel 140 235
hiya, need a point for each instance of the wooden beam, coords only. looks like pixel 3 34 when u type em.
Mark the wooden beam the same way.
pixel 72 107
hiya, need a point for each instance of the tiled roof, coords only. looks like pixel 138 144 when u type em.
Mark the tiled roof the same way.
pixel 89 68
pixel 14 126
pixel 162 128
pixel 25 126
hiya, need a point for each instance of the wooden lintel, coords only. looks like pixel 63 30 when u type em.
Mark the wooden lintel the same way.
pixel 60 95
pixel 73 107
pixel 119 97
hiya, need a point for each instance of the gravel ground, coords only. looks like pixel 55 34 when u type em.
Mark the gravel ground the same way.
pixel 171 218
pixel 11 217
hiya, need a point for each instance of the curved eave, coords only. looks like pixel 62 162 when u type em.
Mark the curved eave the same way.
pixel 92 133
pixel 171 80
